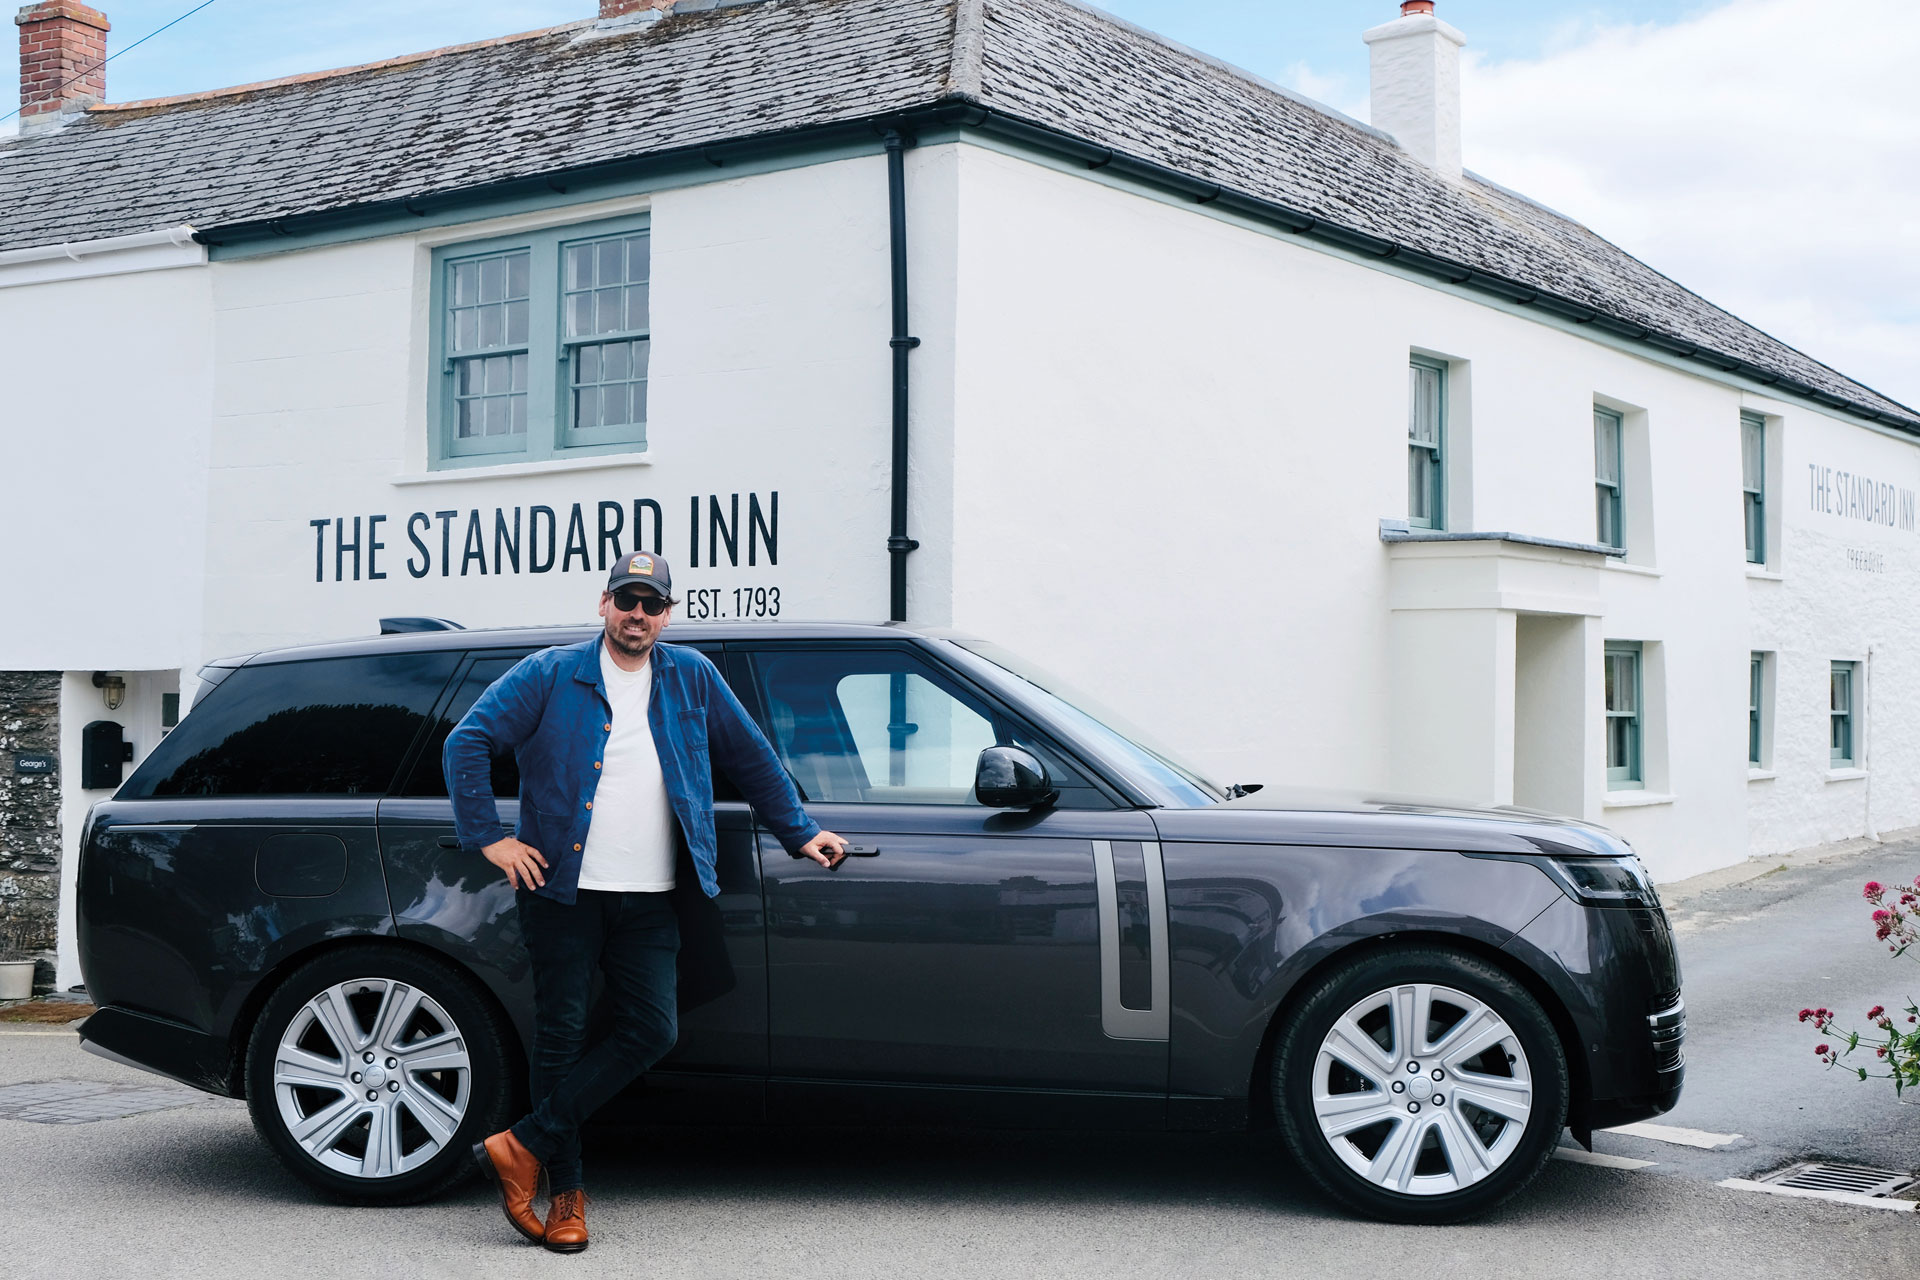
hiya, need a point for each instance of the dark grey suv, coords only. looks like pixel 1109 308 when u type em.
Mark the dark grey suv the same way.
pixel 1050 924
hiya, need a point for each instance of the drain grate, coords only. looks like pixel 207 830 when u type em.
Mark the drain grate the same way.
pixel 84 1101
pixel 1854 1179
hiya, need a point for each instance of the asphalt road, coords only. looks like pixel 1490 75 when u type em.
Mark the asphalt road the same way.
pixel 190 1191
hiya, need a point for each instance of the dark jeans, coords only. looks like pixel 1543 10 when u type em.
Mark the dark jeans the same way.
pixel 634 938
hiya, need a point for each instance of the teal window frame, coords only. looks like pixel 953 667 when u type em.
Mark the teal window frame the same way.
pixel 1842 681
pixel 1609 490
pixel 1756 694
pixel 550 402
pixel 1753 484
pixel 1427 386
pixel 1627 712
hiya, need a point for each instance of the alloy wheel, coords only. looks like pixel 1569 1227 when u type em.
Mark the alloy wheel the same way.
pixel 1422 1089
pixel 372 1077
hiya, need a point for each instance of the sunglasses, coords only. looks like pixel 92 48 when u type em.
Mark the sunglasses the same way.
pixel 626 598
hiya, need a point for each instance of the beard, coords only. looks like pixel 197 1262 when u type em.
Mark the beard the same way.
pixel 628 645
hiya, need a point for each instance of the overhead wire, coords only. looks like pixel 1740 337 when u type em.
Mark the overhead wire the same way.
pixel 110 57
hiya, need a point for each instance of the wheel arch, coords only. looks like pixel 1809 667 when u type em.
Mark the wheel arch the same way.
pixel 248 1015
pixel 1260 1102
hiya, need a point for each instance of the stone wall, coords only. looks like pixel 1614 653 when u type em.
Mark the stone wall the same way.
pixel 29 819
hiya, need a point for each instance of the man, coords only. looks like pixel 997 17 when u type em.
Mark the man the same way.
pixel 613 738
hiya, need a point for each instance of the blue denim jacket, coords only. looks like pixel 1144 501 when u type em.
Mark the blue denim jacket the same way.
pixel 551 711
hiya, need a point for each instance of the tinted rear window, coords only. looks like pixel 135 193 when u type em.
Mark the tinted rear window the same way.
pixel 334 726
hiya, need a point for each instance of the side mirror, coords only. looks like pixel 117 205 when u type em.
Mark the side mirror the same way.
pixel 1012 778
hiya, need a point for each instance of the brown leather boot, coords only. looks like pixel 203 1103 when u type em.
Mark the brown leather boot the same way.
pixel 516 1171
pixel 567 1222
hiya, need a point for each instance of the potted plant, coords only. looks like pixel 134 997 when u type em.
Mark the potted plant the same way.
pixel 16 966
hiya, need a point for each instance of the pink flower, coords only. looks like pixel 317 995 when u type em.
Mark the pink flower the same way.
pixel 1805 1014
pixel 1821 1050
pixel 1874 1013
pixel 1873 890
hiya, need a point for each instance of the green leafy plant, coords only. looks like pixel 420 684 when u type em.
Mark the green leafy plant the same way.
pixel 1896 1049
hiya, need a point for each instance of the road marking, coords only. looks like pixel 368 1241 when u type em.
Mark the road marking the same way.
pixel 1837 1197
pixel 65 1031
pixel 1677 1136
pixel 1575 1155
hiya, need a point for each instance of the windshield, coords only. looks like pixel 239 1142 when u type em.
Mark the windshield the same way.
pixel 1110 733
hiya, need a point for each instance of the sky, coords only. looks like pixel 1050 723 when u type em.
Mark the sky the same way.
pixel 1764 153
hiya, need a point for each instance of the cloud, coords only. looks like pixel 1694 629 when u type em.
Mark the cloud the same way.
pixel 1763 154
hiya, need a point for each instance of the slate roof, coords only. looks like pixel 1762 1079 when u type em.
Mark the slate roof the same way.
pixel 577 95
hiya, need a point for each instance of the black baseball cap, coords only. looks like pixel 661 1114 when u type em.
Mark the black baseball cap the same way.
pixel 642 569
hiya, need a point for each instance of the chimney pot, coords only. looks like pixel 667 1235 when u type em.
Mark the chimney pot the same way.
pixel 63 49
pixel 1416 85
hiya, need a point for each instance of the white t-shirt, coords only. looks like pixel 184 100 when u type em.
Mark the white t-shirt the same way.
pixel 630 837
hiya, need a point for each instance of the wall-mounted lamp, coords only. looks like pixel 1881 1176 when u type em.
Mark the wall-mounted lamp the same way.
pixel 113 688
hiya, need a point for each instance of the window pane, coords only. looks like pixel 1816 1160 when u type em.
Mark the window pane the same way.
pixel 613 262
pixel 499 376
pixel 1842 693
pixel 638 262
pixel 579 314
pixel 493 280
pixel 517 275
pixel 1419 484
pixel 1753 455
pixel 580 266
pixel 1606 447
pixel 607 318
pixel 519 424
pixel 517 323
pixel 614 362
pixel 1619 743
pixel 639 410
pixel 466 284
pixel 587 364
pixel 586 407
pixel 1424 405
pixel 519 372
pixel 465 421
pixel 466 330
pixel 637 306
pixel 498 416
pixel 427 778
pixel 493 326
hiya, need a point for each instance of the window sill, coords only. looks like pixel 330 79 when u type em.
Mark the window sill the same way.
pixel 1758 574
pixel 1845 775
pixel 1634 799
pixel 1760 775
pixel 1644 570
pixel 641 458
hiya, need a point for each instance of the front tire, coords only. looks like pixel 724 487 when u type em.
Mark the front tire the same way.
pixel 1420 1084
pixel 373 1070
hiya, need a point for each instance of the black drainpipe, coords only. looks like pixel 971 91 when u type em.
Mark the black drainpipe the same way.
pixel 898 543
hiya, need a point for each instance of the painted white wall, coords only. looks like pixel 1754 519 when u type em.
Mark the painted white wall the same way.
pixel 103 432
pixel 1175 439
pixel 769 373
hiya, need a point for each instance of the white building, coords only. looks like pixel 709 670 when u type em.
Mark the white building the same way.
pixel 1323 457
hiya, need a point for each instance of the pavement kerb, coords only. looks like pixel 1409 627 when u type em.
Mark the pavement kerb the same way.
pixel 1679 891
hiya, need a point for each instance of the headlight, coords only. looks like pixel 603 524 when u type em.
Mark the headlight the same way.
pixel 1604 882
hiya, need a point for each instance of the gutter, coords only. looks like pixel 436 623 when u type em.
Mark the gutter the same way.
pixel 112 255
pixel 961 112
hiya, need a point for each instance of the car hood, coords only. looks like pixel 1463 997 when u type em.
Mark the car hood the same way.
pixel 1297 816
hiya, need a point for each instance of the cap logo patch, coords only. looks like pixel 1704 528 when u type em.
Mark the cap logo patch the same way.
pixel 641 565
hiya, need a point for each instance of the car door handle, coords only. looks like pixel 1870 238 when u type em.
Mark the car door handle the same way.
pixel 853 851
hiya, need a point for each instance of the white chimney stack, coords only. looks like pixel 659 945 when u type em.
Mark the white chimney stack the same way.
pixel 1416 85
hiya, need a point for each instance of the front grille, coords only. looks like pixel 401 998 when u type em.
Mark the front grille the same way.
pixel 1667 1029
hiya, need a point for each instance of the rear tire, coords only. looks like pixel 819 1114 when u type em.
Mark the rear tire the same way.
pixel 373 1070
pixel 1419 1084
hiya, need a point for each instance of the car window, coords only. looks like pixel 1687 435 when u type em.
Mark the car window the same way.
pixel 883 727
pixel 328 726
pixel 428 778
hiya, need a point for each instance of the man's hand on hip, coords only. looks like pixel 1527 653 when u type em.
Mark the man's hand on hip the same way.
pixel 820 846
pixel 519 861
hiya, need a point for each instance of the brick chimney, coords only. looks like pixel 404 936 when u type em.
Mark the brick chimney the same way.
pixel 621 8
pixel 63 45
pixel 1416 85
